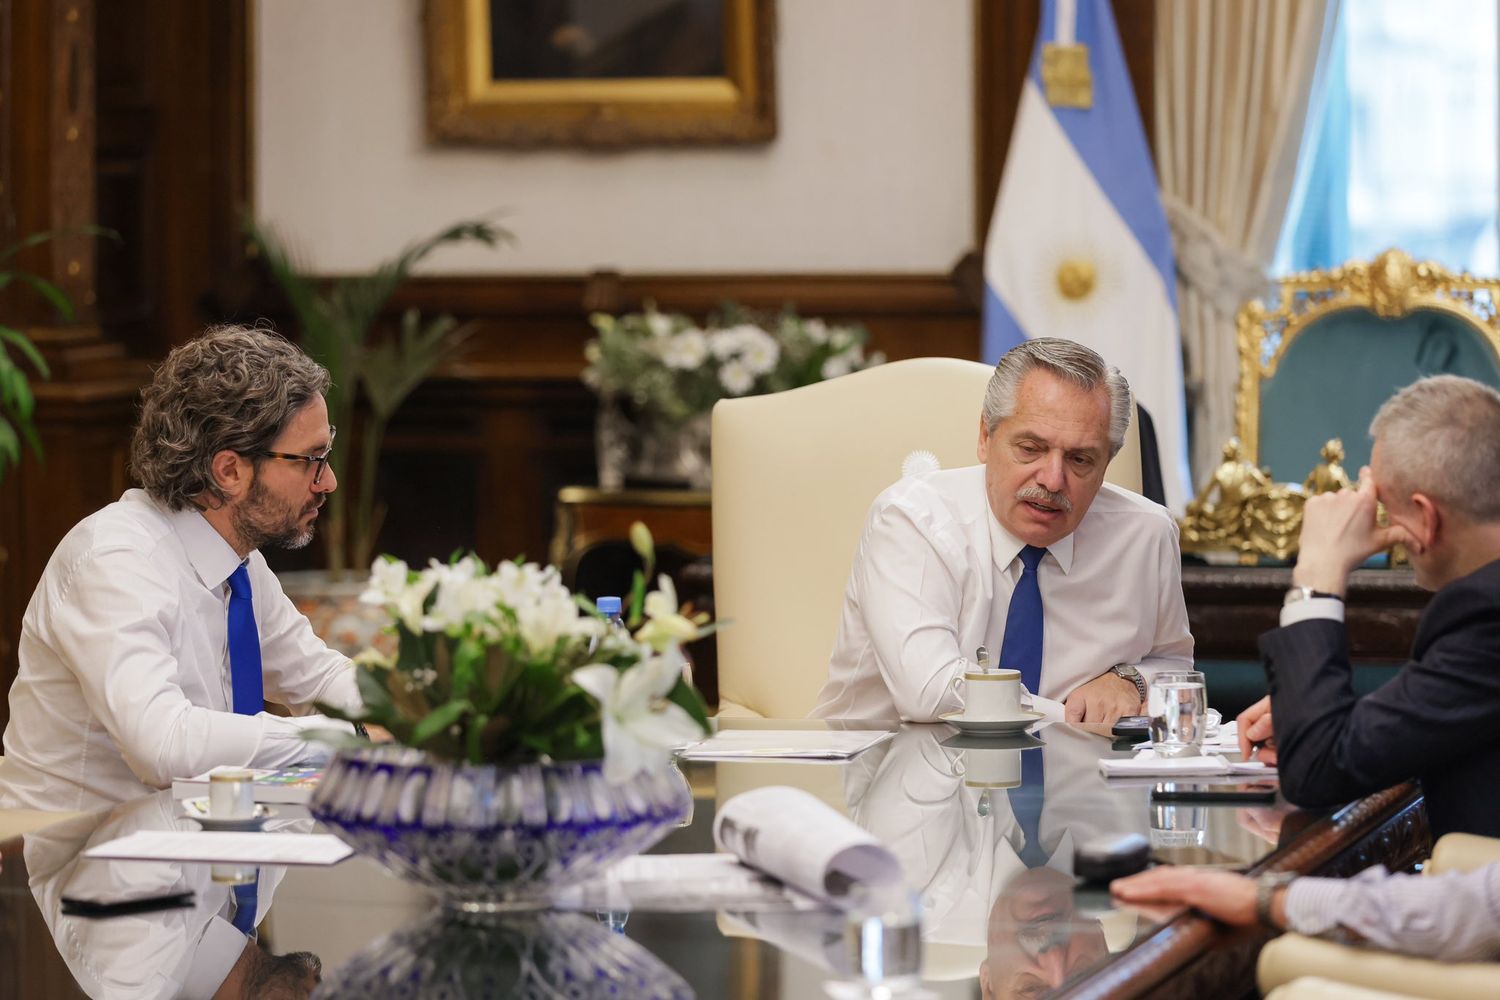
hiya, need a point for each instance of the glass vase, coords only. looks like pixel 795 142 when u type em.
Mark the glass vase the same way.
pixel 489 837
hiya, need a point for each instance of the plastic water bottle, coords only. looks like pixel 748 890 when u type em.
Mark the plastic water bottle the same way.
pixel 614 619
pixel 612 608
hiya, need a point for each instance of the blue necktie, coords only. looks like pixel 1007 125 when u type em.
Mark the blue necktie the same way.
pixel 1026 806
pixel 1021 647
pixel 249 698
pixel 244 646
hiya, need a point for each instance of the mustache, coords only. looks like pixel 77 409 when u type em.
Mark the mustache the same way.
pixel 1041 495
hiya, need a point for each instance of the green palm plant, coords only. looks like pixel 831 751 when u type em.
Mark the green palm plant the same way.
pixel 336 318
pixel 17 401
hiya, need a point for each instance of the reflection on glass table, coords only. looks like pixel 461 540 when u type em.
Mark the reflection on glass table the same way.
pixel 985 831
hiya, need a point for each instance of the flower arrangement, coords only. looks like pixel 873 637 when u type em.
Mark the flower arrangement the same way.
pixel 505 666
pixel 670 369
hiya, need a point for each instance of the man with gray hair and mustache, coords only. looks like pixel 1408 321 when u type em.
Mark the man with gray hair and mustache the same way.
pixel 1030 555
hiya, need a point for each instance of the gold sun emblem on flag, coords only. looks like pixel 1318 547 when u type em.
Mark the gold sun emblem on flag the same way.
pixel 1076 278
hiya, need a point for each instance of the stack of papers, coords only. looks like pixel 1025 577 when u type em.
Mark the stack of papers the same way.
pixel 1148 764
pixel 226 848
pixel 786 744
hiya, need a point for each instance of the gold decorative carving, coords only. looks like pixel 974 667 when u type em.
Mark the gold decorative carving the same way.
pixel 1328 476
pixel 1066 77
pixel 1392 285
pixel 1242 510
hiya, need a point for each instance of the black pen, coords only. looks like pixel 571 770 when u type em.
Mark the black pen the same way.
pixel 93 908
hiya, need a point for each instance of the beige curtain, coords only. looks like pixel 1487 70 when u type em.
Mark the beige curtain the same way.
pixel 1233 81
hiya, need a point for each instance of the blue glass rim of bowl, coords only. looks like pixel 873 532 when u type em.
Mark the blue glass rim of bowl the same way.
pixel 493 836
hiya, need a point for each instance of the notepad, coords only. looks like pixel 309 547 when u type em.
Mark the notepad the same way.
pixel 786 744
pixel 226 848
pixel 274 785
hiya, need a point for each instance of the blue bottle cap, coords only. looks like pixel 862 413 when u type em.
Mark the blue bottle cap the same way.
pixel 608 606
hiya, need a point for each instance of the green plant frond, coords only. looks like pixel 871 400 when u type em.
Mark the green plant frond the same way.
pixel 18 340
pixel 686 696
pixel 48 291
pixel 10 444
pixel 439 719
pixel 36 239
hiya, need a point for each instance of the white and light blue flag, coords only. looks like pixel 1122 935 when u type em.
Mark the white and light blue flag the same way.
pixel 1078 246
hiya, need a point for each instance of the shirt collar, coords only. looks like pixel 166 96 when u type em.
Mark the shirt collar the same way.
pixel 1004 547
pixel 212 557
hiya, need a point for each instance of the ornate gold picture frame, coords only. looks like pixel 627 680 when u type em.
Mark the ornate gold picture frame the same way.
pixel 487 83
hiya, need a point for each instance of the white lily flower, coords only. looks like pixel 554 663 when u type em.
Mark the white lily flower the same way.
pixel 639 725
pixel 665 624
pixel 387 582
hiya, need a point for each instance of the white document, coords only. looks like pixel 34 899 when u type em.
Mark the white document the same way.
pixel 786 744
pixel 790 834
pixel 226 848
pixel 683 883
pixel 1147 763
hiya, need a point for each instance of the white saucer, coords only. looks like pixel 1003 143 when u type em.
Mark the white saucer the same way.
pixel 197 811
pixel 992 727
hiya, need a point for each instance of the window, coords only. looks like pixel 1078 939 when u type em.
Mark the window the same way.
pixel 1401 149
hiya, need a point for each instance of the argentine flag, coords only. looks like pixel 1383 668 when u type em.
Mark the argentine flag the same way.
pixel 1078 246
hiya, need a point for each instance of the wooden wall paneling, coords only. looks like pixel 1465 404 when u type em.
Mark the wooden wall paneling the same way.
pixel 173 166
pixel 519 377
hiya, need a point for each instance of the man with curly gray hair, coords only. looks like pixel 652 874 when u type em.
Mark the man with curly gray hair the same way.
pixel 157 632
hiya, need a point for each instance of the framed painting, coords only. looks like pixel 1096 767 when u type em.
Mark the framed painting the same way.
pixel 606 73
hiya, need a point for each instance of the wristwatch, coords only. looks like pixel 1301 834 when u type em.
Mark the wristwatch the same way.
pixel 1296 594
pixel 1265 887
pixel 1132 675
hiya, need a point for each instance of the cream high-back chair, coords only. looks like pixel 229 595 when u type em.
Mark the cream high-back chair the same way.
pixel 794 474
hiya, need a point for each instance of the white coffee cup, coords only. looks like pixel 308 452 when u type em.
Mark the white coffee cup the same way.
pixel 989 695
pixel 988 767
pixel 231 794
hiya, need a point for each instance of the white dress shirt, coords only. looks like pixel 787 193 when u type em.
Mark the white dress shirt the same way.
pixel 932 581
pixel 1454 916
pixel 124 665
pixel 916 802
pixel 183 953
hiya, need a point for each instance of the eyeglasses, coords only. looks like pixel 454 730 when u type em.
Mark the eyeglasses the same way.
pixel 318 462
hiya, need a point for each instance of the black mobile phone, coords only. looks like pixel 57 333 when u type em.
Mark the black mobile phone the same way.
pixel 1133 727
pixel 1253 792
pixel 93 908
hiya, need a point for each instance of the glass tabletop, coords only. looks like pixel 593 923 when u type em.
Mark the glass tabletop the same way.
pixel 986 831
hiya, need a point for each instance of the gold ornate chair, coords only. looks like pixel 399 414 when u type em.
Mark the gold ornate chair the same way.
pixel 1320 362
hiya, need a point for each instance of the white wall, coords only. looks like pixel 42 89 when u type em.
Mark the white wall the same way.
pixel 871 170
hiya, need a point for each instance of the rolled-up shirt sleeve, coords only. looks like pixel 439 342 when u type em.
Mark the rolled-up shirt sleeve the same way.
pixel 910 599
pixel 115 632
pixel 1454 916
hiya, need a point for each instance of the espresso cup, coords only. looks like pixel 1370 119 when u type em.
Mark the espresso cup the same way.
pixel 988 768
pixel 989 694
pixel 231 794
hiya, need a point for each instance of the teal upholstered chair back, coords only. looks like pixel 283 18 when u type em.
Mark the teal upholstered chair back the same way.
pixel 1342 342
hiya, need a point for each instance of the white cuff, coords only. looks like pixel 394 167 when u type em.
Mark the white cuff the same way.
pixel 1313 607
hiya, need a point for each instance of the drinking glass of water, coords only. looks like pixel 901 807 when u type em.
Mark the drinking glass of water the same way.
pixel 1177 702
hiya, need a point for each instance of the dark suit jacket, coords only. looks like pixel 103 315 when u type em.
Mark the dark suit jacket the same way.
pixel 1438 720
